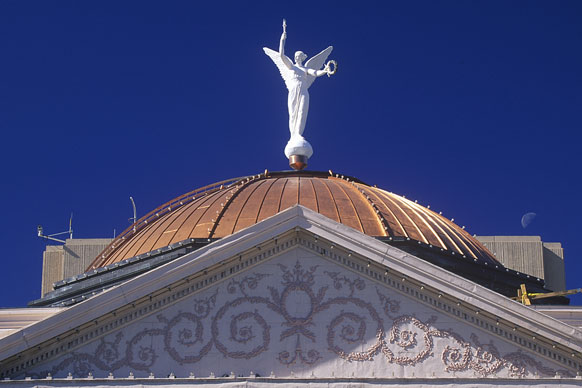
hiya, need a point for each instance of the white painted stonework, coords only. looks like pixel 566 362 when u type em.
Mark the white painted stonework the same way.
pixel 296 299
pixel 299 314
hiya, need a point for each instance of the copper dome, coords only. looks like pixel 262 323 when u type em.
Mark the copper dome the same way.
pixel 226 207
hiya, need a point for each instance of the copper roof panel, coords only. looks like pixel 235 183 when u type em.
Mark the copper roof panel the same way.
pixel 326 203
pixel 150 240
pixel 272 199
pixel 209 215
pixel 437 234
pixel 395 228
pixel 290 195
pixel 448 235
pixel 412 231
pixel 446 240
pixel 126 250
pixel 423 221
pixel 250 212
pixel 237 199
pixel 191 217
pixel 307 196
pixel 469 241
pixel 180 217
pixel 346 209
pixel 367 216
pixel 223 208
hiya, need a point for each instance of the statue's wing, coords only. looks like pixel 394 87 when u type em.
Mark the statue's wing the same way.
pixel 276 57
pixel 316 62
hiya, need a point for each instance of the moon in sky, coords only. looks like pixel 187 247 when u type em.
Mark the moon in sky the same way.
pixel 527 219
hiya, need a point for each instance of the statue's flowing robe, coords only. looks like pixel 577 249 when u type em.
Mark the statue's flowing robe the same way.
pixel 298 100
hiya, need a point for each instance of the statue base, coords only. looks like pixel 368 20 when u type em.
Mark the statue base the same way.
pixel 298 162
pixel 298 150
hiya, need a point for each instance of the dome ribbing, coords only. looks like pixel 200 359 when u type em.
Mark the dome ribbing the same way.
pixel 226 207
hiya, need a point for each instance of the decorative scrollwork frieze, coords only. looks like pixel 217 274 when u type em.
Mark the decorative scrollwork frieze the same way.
pixel 301 315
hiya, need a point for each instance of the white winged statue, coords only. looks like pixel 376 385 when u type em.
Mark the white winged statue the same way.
pixel 298 78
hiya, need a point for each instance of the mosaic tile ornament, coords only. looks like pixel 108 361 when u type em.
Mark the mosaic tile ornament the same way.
pixel 298 317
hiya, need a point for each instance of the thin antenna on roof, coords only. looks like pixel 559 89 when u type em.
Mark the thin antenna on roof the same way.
pixel 134 219
pixel 39 230
pixel 71 226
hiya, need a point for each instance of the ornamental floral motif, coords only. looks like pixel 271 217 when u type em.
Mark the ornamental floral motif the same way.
pixel 456 354
pixel 339 281
pixel 486 358
pixel 246 283
pixel 309 358
pixel 518 364
pixel 403 347
pixel 310 315
pixel 390 306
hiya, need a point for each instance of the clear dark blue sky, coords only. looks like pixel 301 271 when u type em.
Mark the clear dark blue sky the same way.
pixel 472 107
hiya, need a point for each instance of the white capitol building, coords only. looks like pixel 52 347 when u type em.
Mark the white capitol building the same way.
pixel 291 279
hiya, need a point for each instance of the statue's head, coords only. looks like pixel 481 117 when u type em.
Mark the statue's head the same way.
pixel 300 57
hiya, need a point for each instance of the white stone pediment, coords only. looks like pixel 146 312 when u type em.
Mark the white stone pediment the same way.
pixel 296 295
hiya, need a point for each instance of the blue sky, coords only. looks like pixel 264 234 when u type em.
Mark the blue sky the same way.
pixel 472 107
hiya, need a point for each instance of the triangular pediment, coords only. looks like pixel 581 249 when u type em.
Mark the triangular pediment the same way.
pixel 296 295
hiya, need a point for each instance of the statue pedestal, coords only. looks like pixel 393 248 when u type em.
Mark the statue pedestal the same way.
pixel 298 151
pixel 297 162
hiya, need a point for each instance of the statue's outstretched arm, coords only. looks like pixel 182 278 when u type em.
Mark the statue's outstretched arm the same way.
pixel 286 61
pixel 318 73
